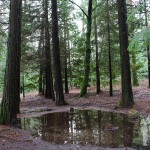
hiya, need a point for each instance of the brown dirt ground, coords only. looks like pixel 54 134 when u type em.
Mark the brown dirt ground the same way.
pixel 33 105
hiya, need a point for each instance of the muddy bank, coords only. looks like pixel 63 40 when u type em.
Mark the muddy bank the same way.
pixel 16 139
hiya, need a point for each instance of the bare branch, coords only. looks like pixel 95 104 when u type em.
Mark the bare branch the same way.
pixel 79 8
pixel 96 6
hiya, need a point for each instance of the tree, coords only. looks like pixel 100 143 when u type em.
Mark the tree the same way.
pixel 88 51
pixel 11 92
pixel 127 95
pixel 49 92
pixel 40 60
pixel 98 89
pixel 56 55
pixel 109 52
pixel 148 49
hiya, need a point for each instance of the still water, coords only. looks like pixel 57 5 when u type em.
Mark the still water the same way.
pixel 105 129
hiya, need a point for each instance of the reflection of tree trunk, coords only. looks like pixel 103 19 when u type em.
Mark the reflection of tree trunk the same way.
pixel 127 132
pixel 87 118
pixel 99 125
pixel 55 127
pixel 112 133
pixel 71 121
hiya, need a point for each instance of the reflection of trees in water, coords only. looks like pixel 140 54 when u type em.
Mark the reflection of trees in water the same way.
pixel 85 127
pixel 33 125
pixel 99 126
pixel 89 137
pixel 145 130
pixel 55 127
pixel 128 128
pixel 108 132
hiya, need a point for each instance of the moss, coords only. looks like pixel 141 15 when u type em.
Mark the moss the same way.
pixel 4 115
pixel 133 114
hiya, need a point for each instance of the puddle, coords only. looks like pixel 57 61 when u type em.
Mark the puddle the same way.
pixel 86 127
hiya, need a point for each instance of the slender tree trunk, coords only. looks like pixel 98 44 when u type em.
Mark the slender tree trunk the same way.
pixel 43 85
pixel 148 49
pixel 88 51
pixel 40 53
pixel 109 53
pixel 23 87
pixel 69 51
pixel 11 93
pixel 127 95
pixel 56 55
pixel 40 80
pixel 97 59
pixel 49 92
pixel 66 68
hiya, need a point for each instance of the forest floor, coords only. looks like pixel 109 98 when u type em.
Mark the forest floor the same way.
pixel 12 138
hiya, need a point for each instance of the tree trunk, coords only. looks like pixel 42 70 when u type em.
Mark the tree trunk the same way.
pixel 97 59
pixel 69 55
pixel 23 87
pixel 109 53
pixel 49 92
pixel 40 53
pixel 88 51
pixel 66 68
pixel 56 55
pixel 11 93
pixel 148 49
pixel 127 95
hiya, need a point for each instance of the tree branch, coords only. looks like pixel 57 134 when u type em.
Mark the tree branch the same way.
pixel 96 7
pixel 79 8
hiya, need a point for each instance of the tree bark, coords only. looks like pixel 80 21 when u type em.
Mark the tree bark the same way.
pixel 109 53
pixel 49 92
pixel 98 89
pixel 23 86
pixel 127 95
pixel 56 55
pixel 88 51
pixel 66 66
pixel 40 53
pixel 11 93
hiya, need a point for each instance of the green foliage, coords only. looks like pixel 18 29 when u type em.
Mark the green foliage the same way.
pixel 31 81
